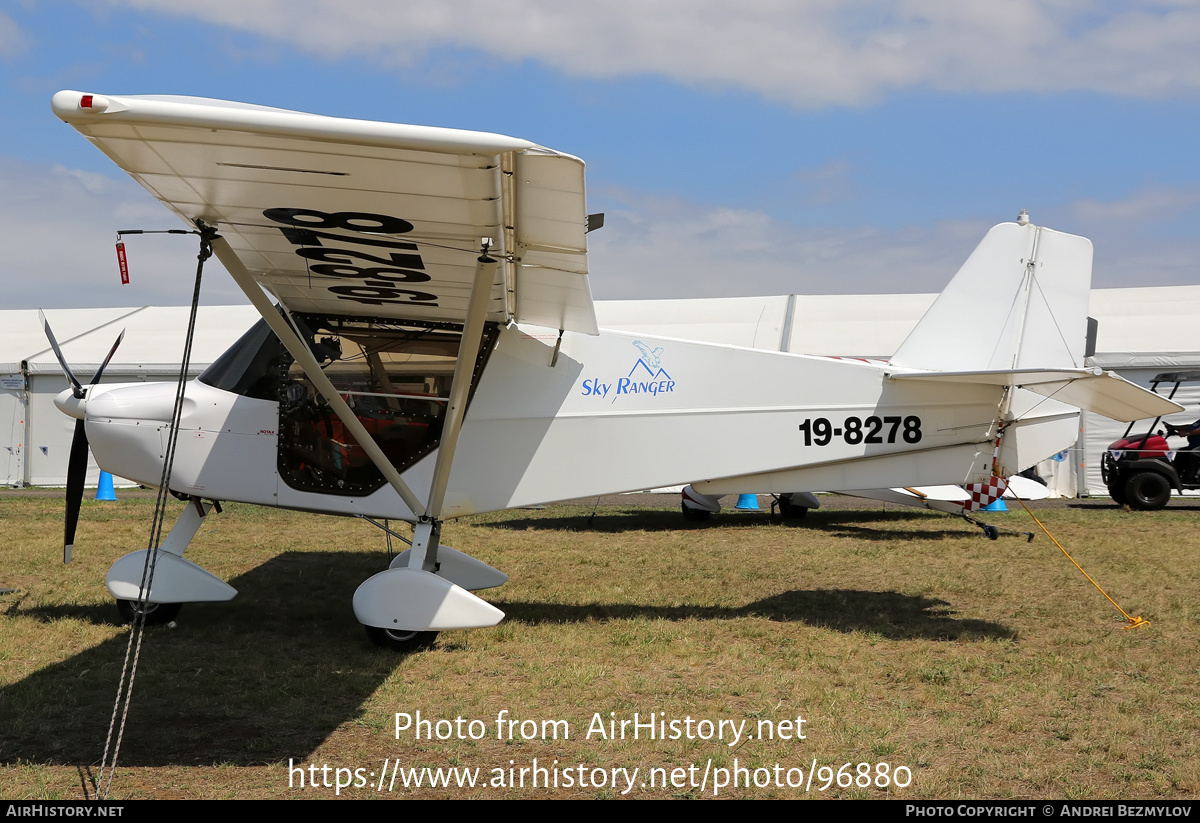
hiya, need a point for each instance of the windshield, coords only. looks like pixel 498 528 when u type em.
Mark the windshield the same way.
pixel 251 367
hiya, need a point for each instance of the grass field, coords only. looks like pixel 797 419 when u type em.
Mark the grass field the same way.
pixel 985 669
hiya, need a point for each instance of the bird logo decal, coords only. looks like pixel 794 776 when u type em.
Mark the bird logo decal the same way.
pixel 650 357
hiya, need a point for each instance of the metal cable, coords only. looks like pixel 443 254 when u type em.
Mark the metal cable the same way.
pixel 134 647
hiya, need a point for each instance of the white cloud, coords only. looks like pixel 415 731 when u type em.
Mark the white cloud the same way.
pixel 58 225
pixel 1149 204
pixel 12 39
pixel 655 247
pixel 1144 239
pixel 659 248
pixel 58 228
pixel 813 53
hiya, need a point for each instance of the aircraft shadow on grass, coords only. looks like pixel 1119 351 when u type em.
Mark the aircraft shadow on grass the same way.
pixel 272 674
pixel 267 676
pixel 893 615
pixel 839 522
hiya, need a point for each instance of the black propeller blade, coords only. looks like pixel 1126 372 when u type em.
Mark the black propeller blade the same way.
pixel 104 365
pixel 77 463
pixel 62 361
pixel 76 474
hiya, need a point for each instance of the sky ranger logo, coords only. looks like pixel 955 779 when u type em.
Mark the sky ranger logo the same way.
pixel 646 377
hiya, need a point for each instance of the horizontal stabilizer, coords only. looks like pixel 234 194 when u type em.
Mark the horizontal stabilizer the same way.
pixel 1026 489
pixel 1094 390
pixel 919 496
pixel 956 493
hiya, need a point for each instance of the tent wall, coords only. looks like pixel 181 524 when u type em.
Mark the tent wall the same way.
pixel 50 432
pixel 37 436
pixel 1143 332
pixel 12 430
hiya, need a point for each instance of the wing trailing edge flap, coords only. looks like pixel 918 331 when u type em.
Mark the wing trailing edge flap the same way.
pixel 552 287
pixel 1094 390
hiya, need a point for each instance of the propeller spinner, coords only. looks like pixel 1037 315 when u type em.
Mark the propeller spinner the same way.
pixel 77 463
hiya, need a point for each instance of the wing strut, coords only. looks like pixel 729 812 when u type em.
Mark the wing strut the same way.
pixel 460 386
pixel 299 350
pixel 427 533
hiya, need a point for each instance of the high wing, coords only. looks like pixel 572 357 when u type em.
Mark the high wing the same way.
pixel 360 218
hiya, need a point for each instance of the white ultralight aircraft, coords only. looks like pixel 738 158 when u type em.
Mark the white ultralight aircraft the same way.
pixel 434 353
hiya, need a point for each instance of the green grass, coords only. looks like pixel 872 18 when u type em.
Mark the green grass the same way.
pixel 988 669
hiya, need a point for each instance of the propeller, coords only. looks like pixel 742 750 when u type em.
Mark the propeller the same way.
pixel 77 462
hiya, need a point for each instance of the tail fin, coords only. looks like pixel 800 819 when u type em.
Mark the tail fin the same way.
pixel 1019 302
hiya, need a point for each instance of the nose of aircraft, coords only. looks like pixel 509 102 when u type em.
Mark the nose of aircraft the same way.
pixel 71 405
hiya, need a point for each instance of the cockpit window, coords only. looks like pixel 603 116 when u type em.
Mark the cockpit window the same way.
pixel 395 377
pixel 251 367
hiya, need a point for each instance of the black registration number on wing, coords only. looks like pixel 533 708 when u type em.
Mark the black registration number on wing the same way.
pixel 376 273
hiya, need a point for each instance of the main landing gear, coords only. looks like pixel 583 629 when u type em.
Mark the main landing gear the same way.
pixel 400 640
pixel 156 614
pixel 426 589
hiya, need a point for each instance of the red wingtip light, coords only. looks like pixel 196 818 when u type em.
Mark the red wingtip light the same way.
pixel 85 102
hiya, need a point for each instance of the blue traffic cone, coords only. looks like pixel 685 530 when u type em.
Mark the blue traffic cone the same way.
pixel 104 491
pixel 748 503
pixel 996 505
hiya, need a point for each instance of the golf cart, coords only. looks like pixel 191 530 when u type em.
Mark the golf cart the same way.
pixel 1140 470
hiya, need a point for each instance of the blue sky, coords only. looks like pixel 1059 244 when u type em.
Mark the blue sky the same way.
pixel 753 148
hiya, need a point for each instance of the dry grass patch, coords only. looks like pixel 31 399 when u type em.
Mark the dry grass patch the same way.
pixel 990 669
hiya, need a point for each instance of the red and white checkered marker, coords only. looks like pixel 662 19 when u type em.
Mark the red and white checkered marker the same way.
pixel 985 493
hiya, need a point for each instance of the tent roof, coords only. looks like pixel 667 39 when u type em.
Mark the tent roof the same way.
pixel 153 338
pixel 1148 327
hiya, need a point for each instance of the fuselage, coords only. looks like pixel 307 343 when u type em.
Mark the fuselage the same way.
pixel 609 413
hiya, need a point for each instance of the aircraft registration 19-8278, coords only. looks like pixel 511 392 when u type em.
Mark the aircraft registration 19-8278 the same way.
pixel 432 351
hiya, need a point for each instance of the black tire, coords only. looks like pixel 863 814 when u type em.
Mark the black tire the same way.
pixel 1117 492
pixel 991 532
pixel 157 614
pixel 695 515
pixel 789 511
pixel 1147 491
pixel 399 640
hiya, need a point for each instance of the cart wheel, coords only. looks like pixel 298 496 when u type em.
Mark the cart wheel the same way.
pixel 1117 493
pixel 1147 491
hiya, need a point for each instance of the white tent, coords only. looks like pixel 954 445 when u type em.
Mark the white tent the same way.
pixel 1143 332
pixel 38 440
